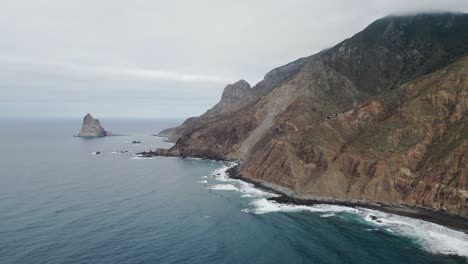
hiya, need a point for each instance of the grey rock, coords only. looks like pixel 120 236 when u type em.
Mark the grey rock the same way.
pixel 92 128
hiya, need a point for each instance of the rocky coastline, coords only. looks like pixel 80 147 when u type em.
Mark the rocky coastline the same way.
pixel 381 116
pixel 286 196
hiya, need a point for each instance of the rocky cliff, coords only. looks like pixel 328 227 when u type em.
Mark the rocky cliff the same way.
pixel 92 128
pixel 382 116
pixel 235 97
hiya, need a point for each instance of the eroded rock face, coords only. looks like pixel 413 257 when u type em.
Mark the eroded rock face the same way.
pixel 381 116
pixel 92 128
pixel 408 146
pixel 235 97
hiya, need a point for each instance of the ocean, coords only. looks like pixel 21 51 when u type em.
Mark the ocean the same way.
pixel 60 202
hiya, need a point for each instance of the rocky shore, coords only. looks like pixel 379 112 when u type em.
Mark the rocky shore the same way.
pixel 286 196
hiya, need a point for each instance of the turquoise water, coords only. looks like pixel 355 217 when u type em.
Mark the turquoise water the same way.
pixel 60 203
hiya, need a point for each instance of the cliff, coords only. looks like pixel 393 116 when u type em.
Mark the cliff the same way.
pixel 235 96
pixel 379 117
pixel 92 128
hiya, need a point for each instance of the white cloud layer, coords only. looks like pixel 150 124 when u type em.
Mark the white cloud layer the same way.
pixel 163 58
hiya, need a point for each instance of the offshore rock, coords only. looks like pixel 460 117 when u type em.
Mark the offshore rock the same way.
pixel 92 128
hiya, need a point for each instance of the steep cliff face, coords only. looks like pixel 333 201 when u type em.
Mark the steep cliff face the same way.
pixel 92 128
pixel 235 97
pixel 278 75
pixel 408 146
pixel 379 117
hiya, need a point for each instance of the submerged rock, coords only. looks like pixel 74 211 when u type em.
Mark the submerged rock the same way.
pixel 92 128
pixel 146 154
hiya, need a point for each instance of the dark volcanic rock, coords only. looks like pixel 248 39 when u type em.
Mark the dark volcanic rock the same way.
pixel 146 154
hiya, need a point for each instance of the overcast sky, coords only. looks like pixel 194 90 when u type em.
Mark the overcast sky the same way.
pixel 144 58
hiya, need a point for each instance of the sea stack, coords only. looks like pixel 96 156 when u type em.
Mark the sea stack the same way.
pixel 92 128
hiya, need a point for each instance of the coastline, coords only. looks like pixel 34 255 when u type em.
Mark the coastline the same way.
pixel 286 196
pixel 457 223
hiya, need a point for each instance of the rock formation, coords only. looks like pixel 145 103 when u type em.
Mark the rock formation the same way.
pixel 382 116
pixel 92 128
pixel 235 97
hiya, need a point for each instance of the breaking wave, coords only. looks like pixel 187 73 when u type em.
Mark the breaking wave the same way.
pixel 432 237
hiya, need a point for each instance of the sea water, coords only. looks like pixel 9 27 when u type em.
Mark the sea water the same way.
pixel 61 202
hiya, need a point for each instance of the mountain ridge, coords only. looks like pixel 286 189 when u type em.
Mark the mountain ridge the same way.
pixel 362 120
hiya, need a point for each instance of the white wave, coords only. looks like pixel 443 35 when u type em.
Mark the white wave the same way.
pixel 327 215
pixel 192 158
pixel 433 237
pixel 204 177
pixel 221 173
pixel 368 218
pixel 141 158
pixel 224 187
pixel 263 206
pixel 205 182
pixel 248 190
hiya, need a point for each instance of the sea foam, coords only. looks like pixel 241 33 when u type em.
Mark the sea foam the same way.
pixel 224 187
pixel 141 158
pixel 248 190
pixel 263 206
pixel 327 215
pixel 432 237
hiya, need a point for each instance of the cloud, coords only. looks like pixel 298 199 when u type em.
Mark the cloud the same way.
pixel 104 72
pixel 163 58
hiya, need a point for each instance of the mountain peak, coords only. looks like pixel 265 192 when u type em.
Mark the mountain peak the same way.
pixel 88 116
pixel 236 91
pixel 395 49
pixel 235 96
